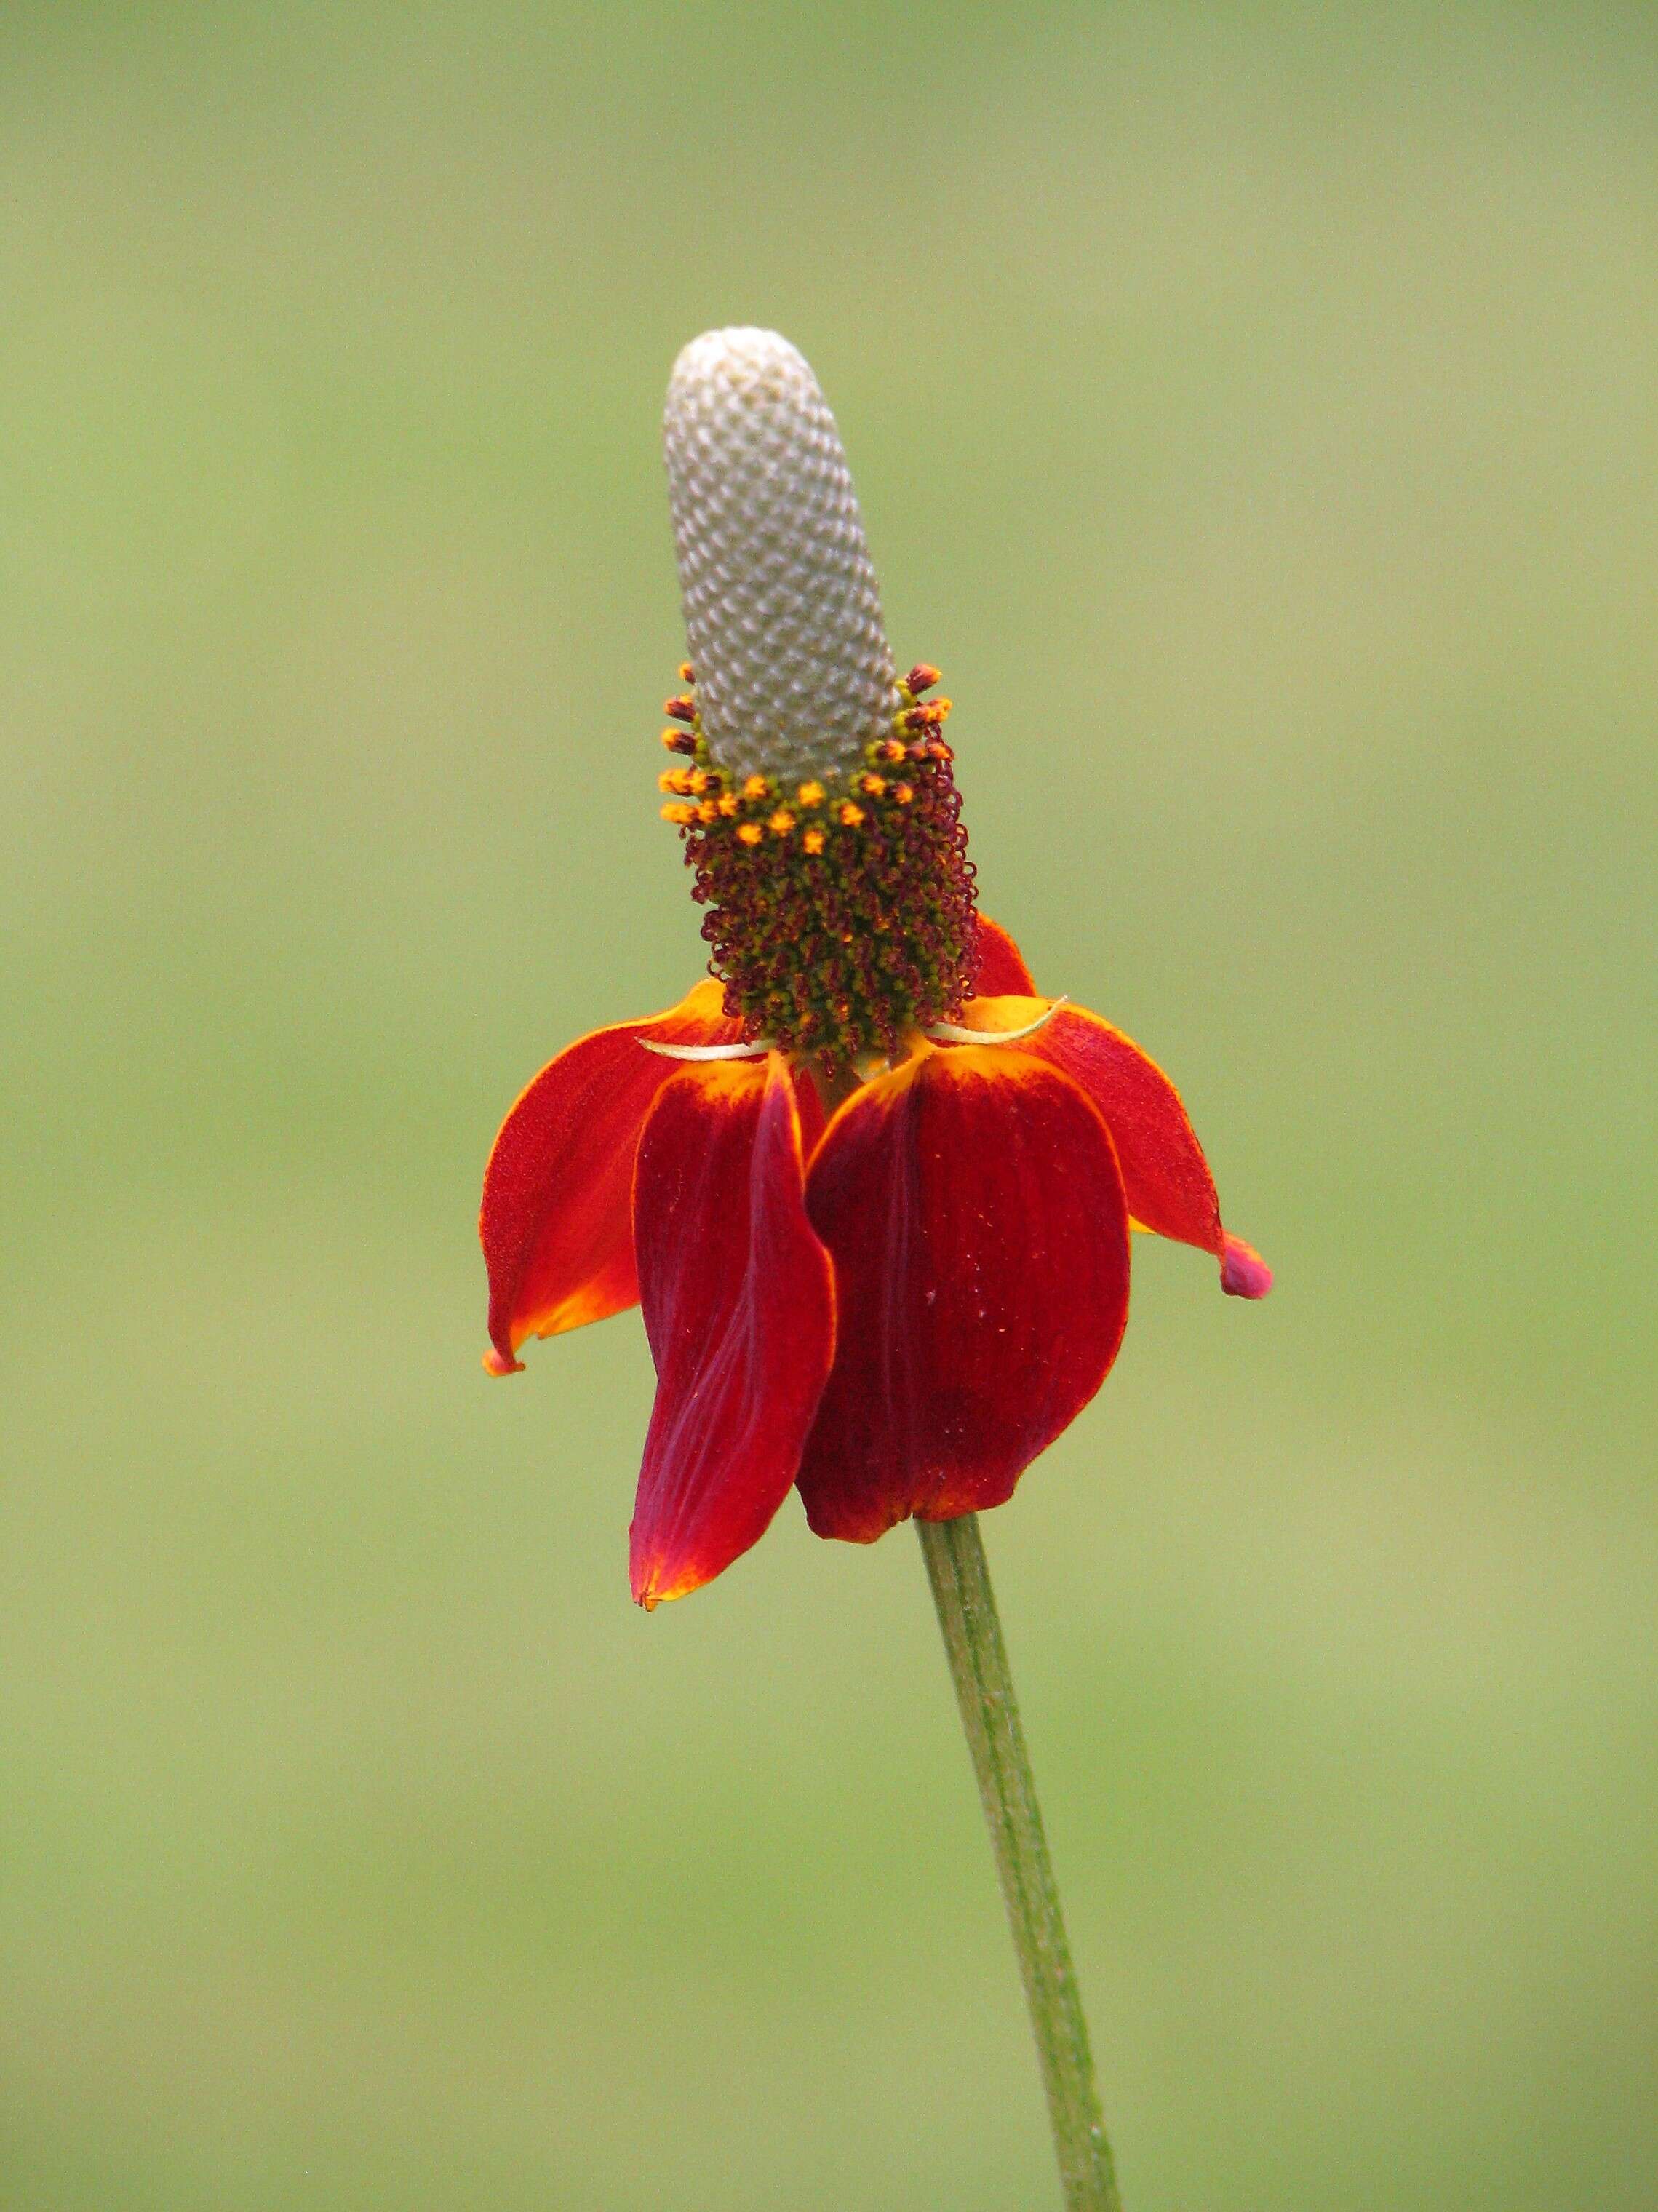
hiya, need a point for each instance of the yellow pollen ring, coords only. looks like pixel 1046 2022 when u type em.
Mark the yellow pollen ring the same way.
pixel 953 1033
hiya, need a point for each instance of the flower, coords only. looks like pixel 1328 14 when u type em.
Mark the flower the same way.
pixel 873 1192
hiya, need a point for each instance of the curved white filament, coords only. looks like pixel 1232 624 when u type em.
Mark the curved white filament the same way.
pixel 953 1032
pixel 756 1050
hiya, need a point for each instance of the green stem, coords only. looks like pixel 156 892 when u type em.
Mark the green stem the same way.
pixel 960 1574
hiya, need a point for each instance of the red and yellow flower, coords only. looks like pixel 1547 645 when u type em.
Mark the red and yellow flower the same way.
pixel 894 1304
pixel 872 1191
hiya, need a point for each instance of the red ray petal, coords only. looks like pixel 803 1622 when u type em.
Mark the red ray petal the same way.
pixel 973 1206
pixel 1169 1187
pixel 556 1224
pixel 739 1308
pixel 1002 972
pixel 809 1104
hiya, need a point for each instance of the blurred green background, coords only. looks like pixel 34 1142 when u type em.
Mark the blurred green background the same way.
pixel 1254 411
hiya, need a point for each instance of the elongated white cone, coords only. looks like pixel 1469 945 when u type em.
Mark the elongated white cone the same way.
pixel 793 673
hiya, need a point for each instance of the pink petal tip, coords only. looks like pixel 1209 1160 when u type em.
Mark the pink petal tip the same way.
pixel 1243 1273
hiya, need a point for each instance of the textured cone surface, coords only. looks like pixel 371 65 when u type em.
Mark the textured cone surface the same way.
pixel 794 677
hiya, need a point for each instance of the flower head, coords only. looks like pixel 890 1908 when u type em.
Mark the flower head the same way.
pixel 840 901
pixel 873 1192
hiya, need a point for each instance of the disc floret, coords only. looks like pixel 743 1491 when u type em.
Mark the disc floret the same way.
pixel 840 907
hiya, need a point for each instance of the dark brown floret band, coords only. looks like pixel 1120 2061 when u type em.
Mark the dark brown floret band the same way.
pixel 841 912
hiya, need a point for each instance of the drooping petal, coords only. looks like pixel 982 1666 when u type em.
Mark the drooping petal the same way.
pixel 1169 1187
pixel 739 1307
pixel 972 1204
pixel 1002 972
pixel 556 1223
